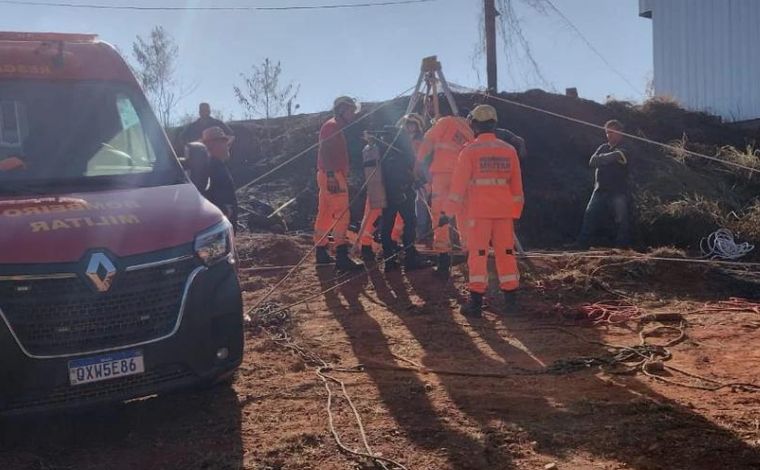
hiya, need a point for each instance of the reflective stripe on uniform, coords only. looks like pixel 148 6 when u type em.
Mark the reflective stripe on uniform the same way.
pixel 455 197
pixel 489 143
pixel 478 278
pixel 509 278
pixel 447 146
pixel 518 199
pixel 489 182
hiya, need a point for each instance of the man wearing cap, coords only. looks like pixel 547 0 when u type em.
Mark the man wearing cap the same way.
pixel 194 131
pixel 487 176
pixel 332 181
pixel 221 187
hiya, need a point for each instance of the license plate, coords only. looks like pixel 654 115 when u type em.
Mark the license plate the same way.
pixel 105 367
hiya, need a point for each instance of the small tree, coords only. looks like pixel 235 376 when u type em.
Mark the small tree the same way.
pixel 261 94
pixel 156 59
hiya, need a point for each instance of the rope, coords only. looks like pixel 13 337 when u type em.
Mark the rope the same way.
pixel 611 312
pixel 593 48
pixel 721 245
pixel 613 308
pixel 314 146
pixel 733 304
pixel 646 357
pixel 642 257
pixel 269 318
pixel 631 136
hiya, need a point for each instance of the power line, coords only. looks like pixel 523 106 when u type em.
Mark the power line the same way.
pixel 591 46
pixel 94 6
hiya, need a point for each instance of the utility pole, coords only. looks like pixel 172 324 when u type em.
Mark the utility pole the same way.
pixel 491 13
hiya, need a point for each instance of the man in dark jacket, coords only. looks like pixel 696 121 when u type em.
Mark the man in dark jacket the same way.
pixel 399 182
pixel 221 187
pixel 515 141
pixel 611 189
pixel 194 131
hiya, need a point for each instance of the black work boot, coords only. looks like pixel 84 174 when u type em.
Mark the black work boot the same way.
pixel 323 257
pixel 368 254
pixel 391 264
pixel 443 268
pixel 413 261
pixel 510 301
pixel 474 308
pixel 343 262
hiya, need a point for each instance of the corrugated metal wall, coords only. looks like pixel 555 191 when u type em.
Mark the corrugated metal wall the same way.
pixel 707 54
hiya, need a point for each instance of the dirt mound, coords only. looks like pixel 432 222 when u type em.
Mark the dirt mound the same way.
pixel 656 275
pixel 679 199
pixel 270 250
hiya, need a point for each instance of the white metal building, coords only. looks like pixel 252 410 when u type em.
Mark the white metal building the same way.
pixel 707 54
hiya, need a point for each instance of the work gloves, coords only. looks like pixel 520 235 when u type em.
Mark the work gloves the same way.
pixel 333 186
pixel 444 220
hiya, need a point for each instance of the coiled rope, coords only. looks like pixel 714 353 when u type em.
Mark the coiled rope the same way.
pixel 721 245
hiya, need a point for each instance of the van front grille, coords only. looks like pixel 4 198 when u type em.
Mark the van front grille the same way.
pixel 53 317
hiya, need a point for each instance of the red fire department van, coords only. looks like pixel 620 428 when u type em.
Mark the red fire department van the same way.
pixel 117 278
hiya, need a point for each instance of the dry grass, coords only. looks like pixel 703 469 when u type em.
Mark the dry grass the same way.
pixel 749 157
pixel 678 149
pixel 681 223
pixel 668 252
pixel 747 223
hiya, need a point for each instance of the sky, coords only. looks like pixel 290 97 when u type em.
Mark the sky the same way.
pixel 370 53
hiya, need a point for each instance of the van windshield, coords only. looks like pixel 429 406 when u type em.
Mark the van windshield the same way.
pixel 79 136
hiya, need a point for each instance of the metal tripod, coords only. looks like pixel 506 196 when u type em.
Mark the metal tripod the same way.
pixel 431 76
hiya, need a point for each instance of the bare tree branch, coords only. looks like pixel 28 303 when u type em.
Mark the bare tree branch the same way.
pixel 155 68
pixel 515 42
pixel 262 95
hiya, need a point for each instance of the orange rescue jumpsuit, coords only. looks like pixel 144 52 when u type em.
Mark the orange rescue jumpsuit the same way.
pixel 332 180
pixel 488 175
pixel 370 217
pixel 444 140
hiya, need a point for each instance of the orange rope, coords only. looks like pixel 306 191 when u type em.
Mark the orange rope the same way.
pixel 611 312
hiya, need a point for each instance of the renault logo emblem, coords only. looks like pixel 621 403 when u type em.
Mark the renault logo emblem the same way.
pixel 100 271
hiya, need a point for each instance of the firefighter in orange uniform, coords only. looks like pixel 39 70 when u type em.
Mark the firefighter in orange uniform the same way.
pixel 442 144
pixel 488 176
pixel 332 180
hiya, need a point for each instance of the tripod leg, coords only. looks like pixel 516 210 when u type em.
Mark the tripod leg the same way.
pixel 415 95
pixel 447 91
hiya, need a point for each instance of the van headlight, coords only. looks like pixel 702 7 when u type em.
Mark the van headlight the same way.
pixel 214 244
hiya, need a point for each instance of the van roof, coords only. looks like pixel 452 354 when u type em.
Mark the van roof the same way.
pixel 46 37
pixel 60 56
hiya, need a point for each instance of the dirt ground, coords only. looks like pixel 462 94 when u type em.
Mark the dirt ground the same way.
pixel 440 391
